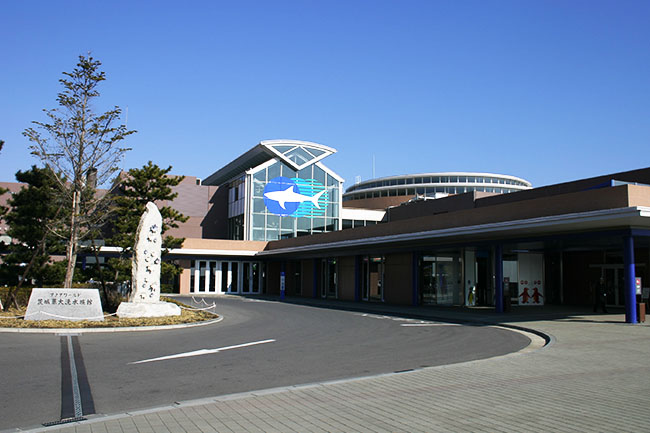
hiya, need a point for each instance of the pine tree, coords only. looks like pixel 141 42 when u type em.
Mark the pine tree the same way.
pixel 35 213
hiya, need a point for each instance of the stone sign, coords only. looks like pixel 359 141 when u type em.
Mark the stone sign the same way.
pixel 64 304
pixel 145 275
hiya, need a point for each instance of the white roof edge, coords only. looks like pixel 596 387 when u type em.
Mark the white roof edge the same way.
pixel 209 252
pixel 447 173
pixel 439 184
pixel 194 251
pixel 268 143
pixel 481 228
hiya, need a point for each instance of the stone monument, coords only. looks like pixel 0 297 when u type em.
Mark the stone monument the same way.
pixel 145 280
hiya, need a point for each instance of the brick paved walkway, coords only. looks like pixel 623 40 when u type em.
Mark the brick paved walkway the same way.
pixel 593 376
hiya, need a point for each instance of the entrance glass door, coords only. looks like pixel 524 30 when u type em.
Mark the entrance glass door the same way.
pixel 441 280
pixel 372 282
pixel 246 277
pixel 428 281
pixel 614 286
pixel 329 286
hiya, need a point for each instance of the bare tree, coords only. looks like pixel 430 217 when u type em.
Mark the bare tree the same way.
pixel 82 147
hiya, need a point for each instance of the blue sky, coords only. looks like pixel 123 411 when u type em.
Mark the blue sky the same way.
pixel 549 91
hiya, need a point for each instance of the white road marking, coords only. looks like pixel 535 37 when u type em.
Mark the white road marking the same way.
pixel 410 321
pixel 202 352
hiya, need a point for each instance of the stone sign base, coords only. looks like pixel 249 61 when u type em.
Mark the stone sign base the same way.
pixel 147 309
pixel 64 304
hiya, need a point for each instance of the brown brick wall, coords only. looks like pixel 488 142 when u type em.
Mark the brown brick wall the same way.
pixel 377 203
pixel 308 278
pixel 184 279
pixel 224 244
pixel 638 195
pixel 398 279
pixel 346 278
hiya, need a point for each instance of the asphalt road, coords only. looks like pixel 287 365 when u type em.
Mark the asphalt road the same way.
pixel 309 344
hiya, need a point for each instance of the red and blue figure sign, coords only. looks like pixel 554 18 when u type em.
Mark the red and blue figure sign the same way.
pixel 295 197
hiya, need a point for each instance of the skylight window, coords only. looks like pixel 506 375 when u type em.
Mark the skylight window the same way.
pixel 298 154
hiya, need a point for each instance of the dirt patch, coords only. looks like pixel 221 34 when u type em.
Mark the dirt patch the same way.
pixel 14 319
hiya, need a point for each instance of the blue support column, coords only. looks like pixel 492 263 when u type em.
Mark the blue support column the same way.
pixel 283 280
pixel 415 279
pixel 498 279
pixel 357 279
pixel 630 274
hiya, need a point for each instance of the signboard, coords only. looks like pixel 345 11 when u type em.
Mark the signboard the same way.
pixel 282 285
pixel 531 279
pixel 295 197
pixel 64 304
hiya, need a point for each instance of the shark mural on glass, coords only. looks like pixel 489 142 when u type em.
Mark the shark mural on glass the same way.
pixel 295 197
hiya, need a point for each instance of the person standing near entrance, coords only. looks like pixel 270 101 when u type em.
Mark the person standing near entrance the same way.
pixel 600 296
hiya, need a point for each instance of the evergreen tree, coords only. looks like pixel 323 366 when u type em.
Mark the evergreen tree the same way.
pixel 131 195
pixel 81 146
pixel 35 214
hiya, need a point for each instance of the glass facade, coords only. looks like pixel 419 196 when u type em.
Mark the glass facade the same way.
pixel 308 217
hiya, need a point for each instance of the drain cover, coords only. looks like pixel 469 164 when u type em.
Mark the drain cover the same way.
pixel 64 421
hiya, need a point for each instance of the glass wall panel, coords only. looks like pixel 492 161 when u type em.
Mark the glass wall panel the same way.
pixel 234 271
pixel 260 176
pixel 192 276
pixel 246 277
pixel 213 277
pixel 202 267
pixel 258 221
pixel 287 171
pixel 319 174
pixel 287 223
pixel 441 280
pixel 272 222
pixel 306 173
pixel 258 205
pixel 258 188
pixel 225 271
pixel 256 277
pixel 304 224
pixel 274 171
